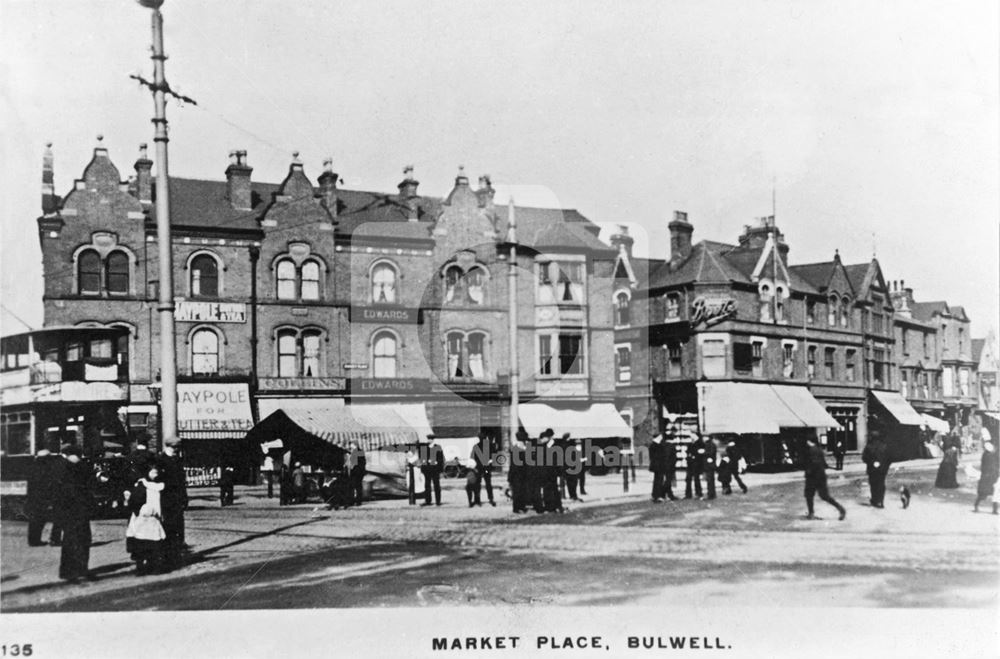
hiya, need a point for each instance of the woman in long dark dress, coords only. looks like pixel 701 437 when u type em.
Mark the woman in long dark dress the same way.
pixel 947 475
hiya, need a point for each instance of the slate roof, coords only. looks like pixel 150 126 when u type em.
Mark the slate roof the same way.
pixel 925 310
pixel 977 349
pixel 816 274
pixel 203 204
pixel 856 275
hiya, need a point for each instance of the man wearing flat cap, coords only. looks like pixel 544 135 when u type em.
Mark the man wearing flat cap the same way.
pixel 431 468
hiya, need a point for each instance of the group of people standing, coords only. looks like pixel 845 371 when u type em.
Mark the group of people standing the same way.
pixel 536 482
pixel 156 502
pixel 701 459
pixel 61 490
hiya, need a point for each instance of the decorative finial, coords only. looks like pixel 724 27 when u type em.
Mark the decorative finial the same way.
pixel 48 145
pixel 295 158
pixel 142 150
pixel 328 165
pixel 461 170
pixel 100 139
pixel 408 172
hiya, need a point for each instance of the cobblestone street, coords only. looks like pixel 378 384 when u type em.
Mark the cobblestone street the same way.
pixel 614 548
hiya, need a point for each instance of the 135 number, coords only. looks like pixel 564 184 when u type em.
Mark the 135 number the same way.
pixel 16 650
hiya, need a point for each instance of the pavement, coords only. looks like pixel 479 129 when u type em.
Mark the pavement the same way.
pixel 250 554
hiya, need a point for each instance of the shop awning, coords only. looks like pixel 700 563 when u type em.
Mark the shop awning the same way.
pixel 934 423
pixel 992 415
pixel 334 422
pixel 599 421
pixel 745 408
pixel 897 406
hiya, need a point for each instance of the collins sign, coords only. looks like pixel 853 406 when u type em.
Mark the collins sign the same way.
pixel 712 310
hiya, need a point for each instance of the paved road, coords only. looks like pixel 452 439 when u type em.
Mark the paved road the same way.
pixel 740 549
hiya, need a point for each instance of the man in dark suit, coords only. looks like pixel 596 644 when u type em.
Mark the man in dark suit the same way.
pixel 173 501
pixel 876 459
pixel 694 461
pixel 74 506
pixel 482 455
pixel 708 466
pixel 358 467
pixel 551 470
pixel 537 471
pixel 572 467
pixel 838 452
pixel 815 472
pixel 729 469
pixel 658 466
pixel 47 471
pixel 138 463
pixel 431 468
pixel 517 475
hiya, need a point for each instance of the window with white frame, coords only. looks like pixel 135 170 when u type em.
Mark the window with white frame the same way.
pixel 713 358
pixel 454 342
pixel 384 354
pixel 811 312
pixel 674 360
pixel 96 275
pixel 475 285
pixel 89 272
pixel 878 367
pixel 831 311
pixel 560 282
pixel 904 383
pixel 453 284
pixel 298 281
pixel 545 355
pixel 788 360
pixel 963 381
pixel 673 307
pixel 845 312
pixel 757 358
pixel 850 365
pixel 384 278
pixel 829 363
pixel 766 303
pixel 299 352
pixel 622 309
pixel 476 347
pixel 310 280
pixel 571 354
pixel 285 273
pixel 117 273
pixel 623 363
pixel 811 362
pixel 561 354
pixel 204 272
pixel 204 352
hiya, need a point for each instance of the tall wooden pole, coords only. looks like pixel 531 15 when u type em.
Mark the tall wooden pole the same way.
pixel 512 316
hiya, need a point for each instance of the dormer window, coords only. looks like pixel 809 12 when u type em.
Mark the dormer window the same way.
pixel 766 295
pixel 779 304
pixel 673 307
pixel 465 287
pixel 298 282
pixel 845 312
pixel 831 311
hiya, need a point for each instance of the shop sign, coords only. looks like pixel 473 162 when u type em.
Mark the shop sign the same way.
pixel 712 310
pixel 389 385
pixel 385 315
pixel 302 384
pixel 210 312
pixel 213 407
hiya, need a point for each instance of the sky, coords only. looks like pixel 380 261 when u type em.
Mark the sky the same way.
pixel 869 127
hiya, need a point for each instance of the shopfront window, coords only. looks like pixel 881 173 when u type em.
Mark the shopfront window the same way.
pixel 713 358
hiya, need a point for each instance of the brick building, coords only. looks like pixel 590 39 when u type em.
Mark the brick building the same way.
pixel 302 297
pixel 718 332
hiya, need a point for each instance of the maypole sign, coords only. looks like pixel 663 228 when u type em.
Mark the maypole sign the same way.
pixel 213 407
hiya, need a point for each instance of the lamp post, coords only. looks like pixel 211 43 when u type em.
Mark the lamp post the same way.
pixel 512 314
pixel 165 303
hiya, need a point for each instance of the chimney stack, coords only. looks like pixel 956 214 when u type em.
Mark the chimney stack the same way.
pixel 49 204
pixel 622 240
pixel 485 191
pixel 143 177
pixel 238 189
pixel 408 193
pixel 680 239
pixel 328 186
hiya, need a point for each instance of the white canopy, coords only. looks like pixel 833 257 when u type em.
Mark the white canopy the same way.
pixel 599 421
pixel 934 423
pixel 743 408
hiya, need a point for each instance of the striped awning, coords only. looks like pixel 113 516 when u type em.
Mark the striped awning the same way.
pixel 372 426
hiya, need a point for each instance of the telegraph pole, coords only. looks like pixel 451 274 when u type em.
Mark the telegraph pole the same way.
pixel 165 305
pixel 512 316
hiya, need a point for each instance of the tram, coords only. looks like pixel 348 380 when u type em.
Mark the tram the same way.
pixel 58 386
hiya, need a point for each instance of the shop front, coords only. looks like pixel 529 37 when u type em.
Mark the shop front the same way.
pixel 895 419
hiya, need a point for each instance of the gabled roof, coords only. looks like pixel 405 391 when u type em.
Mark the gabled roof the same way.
pixel 552 228
pixel 977 349
pixel 926 310
pixel 856 274
pixel 816 274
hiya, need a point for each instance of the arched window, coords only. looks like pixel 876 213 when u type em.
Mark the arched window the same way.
pixel 475 285
pixel 622 309
pixel 89 272
pixel 831 311
pixel 287 354
pixel 384 284
pixel 117 279
pixel 845 312
pixel 452 284
pixel 476 345
pixel 286 280
pixel 204 351
pixel 766 301
pixel 779 303
pixel 204 276
pixel 384 355
pixel 310 280
pixel 455 366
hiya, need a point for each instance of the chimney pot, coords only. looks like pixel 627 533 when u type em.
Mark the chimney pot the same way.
pixel 143 176
pixel 680 239
pixel 408 193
